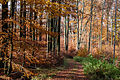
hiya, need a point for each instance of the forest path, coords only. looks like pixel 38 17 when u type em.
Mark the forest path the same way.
pixel 73 71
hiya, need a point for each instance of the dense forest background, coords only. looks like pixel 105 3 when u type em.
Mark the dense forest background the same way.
pixel 40 33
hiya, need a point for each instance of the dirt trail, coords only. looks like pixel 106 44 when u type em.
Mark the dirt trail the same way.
pixel 74 71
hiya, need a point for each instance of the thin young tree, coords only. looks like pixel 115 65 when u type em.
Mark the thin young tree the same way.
pixel 93 35
pixel 107 22
pixel 91 14
pixel 65 33
pixel 115 30
pixel 83 5
pixel 31 15
pixel 24 28
pixel 59 26
pixel 112 28
pixel 49 26
pixel 103 5
pixel 78 38
pixel 54 40
pixel 52 30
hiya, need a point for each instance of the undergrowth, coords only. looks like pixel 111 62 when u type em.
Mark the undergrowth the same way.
pixel 98 69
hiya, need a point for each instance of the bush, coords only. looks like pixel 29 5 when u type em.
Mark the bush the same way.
pixel 99 69
pixel 78 58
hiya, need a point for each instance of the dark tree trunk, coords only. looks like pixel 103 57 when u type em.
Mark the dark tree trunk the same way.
pixel 115 30
pixel 11 36
pixel 4 29
pixel 91 14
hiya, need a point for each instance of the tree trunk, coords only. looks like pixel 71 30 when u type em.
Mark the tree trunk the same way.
pixel 4 29
pixel 81 23
pixel 90 26
pixel 59 25
pixel 103 5
pixel 107 24
pixel 78 37
pixel 115 29
pixel 11 36
pixel 24 29
pixel 31 15
pixel 65 34
pixel 112 29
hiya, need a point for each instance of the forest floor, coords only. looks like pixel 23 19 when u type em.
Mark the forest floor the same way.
pixel 71 70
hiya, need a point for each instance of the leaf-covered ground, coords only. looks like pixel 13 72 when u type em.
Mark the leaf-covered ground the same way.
pixel 71 70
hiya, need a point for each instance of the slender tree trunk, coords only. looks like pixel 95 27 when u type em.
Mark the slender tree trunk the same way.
pixel 21 22
pixel 11 36
pixel 78 38
pixel 102 24
pixel 15 16
pixel 34 36
pixel 107 24
pixel 93 36
pixel 52 30
pixel 59 26
pixel 31 15
pixel 111 29
pixel 40 36
pixel 90 26
pixel 24 15
pixel 49 26
pixel 21 16
pixel 81 23
pixel 54 43
pixel 51 39
pixel 86 32
pixel 115 29
pixel 24 29
pixel 65 33
pixel 34 30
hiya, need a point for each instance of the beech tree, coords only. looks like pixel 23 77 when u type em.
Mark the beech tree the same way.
pixel 115 29
pixel 91 14
pixel 102 24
